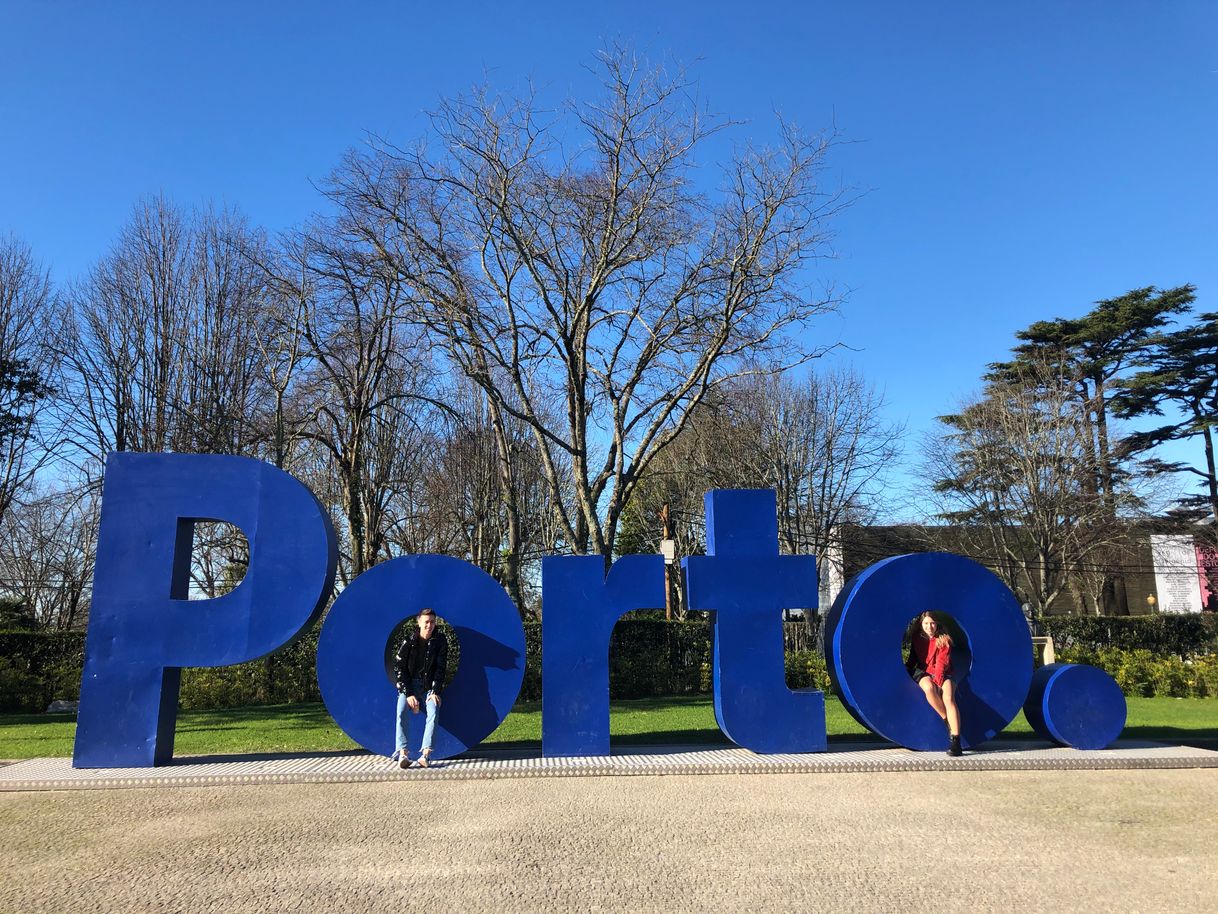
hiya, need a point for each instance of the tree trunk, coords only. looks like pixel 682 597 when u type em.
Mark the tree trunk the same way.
pixel 510 574
pixel 1211 480
pixel 1116 595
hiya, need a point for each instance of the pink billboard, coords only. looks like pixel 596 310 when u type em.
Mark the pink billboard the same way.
pixel 1207 574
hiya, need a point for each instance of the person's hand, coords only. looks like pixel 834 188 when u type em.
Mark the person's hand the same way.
pixel 412 703
pixel 434 697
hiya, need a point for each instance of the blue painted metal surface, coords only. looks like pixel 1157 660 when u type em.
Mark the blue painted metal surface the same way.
pixel 746 584
pixel 1075 705
pixel 581 606
pixel 354 657
pixel 142 627
pixel 865 627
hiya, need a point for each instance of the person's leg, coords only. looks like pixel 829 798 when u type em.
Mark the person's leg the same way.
pixel 931 691
pixel 429 727
pixel 400 718
pixel 416 690
pixel 949 705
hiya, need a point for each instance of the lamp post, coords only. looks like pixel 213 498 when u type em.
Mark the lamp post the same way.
pixel 668 549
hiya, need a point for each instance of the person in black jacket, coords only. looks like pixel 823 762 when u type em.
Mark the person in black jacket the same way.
pixel 419 667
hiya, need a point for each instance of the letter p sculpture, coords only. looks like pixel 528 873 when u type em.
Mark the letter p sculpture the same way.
pixel 143 628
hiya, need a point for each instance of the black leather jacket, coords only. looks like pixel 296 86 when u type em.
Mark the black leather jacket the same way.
pixel 435 663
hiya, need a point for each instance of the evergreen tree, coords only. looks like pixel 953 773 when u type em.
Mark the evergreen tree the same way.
pixel 1095 352
pixel 1180 369
pixel 20 389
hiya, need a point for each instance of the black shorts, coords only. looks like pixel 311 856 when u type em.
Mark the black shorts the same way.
pixel 919 674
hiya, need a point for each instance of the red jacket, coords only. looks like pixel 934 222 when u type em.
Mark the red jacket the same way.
pixel 933 657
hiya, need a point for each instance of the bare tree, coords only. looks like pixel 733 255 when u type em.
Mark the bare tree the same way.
pixel 821 442
pixel 47 545
pixel 159 341
pixel 124 333
pixel 459 508
pixel 824 445
pixel 282 346
pixel 583 282
pixel 27 368
pixel 225 391
pixel 363 395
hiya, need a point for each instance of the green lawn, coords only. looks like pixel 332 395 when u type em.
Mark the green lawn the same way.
pixel 308 728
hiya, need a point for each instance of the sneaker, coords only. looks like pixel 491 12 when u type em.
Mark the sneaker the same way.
pixel 404 761
pixel 954 749
pixel 422 761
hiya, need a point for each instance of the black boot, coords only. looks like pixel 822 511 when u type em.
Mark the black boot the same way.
pixel 953 748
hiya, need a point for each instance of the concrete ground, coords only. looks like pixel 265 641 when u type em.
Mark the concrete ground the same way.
pixel 928 841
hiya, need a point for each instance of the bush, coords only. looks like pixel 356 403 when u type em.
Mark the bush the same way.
pixel 1205 674
pixel 1140 672
pixel 807 670
pixel 1171 676
pixel 221 687
pixel 62 678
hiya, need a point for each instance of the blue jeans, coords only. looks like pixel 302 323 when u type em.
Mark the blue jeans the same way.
pixel 419 690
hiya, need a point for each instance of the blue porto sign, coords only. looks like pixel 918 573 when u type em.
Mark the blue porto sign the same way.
pixel 143 628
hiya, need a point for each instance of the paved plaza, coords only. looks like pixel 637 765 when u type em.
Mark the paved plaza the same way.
pixel 1055 839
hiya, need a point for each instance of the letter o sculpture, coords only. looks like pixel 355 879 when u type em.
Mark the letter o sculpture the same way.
pixel 352 672
pixel 865 628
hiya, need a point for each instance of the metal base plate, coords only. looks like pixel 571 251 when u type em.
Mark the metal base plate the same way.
pixel 357 766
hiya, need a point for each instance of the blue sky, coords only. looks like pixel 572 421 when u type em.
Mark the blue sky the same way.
pixel 1018 161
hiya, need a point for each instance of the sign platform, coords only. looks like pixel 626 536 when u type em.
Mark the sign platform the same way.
pixel 358 766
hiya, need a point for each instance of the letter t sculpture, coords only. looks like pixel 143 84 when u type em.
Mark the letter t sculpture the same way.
pixel 745 584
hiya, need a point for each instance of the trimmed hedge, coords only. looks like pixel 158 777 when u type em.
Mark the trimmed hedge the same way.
pixel 38 667
pixel 647 658
pixel 285 677
pixel 1182 635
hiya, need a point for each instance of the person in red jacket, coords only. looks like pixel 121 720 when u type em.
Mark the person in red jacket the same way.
pixel 930 665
